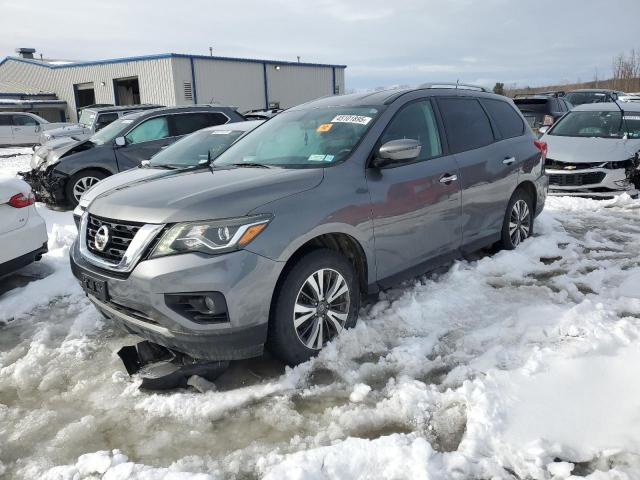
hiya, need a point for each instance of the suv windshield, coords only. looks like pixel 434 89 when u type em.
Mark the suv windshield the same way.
pixel 197 148
pixel 303 138
pixel 87 117
pixel 598 124
pixel 580 98
pixel 112 130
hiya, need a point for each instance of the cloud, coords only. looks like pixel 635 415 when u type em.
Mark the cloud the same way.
pixel 382 42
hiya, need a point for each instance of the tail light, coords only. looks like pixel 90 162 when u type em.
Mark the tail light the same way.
pixel 542 146
pixel 21 200
pixel 547 121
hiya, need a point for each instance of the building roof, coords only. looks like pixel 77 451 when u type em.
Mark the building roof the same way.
pixel 9 88
pixel 143 58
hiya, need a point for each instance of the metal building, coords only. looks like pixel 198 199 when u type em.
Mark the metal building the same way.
pixel 175 79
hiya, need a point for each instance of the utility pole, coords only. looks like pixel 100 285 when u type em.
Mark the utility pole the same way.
pixel 211 51
pixel 298 58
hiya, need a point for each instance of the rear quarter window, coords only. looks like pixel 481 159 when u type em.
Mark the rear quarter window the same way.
pixel 466 123
pixel 508 121
pixel 186 123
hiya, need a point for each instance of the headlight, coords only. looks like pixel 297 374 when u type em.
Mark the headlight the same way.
pixel 211 237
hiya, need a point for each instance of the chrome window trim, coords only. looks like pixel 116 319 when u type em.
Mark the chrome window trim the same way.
pixel 134 251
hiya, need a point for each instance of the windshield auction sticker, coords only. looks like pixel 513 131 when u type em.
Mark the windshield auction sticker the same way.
pixel 325 127
pixel 359 119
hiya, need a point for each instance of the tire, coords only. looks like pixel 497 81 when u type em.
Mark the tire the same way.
pixel 327 319
pixel 81 182
pixel 518 220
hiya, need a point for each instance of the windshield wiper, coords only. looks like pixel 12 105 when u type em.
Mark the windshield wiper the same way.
pixel 250 165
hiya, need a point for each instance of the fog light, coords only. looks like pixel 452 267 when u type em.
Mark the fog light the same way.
pixel 622 183
pixel 210 304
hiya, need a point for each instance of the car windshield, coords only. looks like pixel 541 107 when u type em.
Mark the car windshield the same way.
pixel 598 124
pixel 87 117
pixel 308 138
pixel 197 148
pixel 111 131
pixel 580 98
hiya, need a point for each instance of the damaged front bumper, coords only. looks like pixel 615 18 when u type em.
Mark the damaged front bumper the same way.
pixel 47 185
pixel 592 182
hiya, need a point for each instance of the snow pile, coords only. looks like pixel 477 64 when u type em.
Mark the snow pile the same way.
pixel 14 160
pixel 521 364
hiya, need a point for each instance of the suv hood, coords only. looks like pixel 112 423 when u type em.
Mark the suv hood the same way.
pixel 122 179
pixel 202 194
pixel 589 150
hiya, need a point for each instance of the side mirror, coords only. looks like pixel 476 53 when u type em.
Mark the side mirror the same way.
pixel 38 128
pixel 543 130
pixel 120 141
pixel 397 151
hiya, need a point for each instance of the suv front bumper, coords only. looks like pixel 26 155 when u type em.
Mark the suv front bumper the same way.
pixel 137 301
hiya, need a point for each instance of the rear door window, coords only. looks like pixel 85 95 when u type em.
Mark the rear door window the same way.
pixel 149 130
pixel 5 120
pixel 185 123
pixel 466 124
pixel 505 117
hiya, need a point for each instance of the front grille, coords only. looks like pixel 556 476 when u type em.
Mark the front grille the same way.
pixel 576 179
pixel 120 236
pixel 557 165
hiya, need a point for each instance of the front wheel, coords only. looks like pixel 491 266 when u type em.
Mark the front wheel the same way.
pixel 317 300
pixel 80 183
pixel 518 220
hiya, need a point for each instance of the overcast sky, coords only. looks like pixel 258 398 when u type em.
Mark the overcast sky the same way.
pixel 382 42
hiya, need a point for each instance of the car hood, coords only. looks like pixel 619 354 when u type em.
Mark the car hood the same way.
pixel 589 150
pixel 202 194
pixel 126 178
pixel 52 151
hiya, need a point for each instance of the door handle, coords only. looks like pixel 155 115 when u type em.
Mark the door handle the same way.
pixel 509 160
pixel 447 179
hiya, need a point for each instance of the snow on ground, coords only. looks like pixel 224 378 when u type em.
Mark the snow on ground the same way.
pixel 521 364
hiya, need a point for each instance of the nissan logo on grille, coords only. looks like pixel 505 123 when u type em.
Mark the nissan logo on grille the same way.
pixel 102 238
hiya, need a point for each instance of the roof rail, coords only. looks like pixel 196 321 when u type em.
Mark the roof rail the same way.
pixel 461 86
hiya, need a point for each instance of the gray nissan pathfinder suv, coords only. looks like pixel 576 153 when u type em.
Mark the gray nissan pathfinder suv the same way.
pixel 276 241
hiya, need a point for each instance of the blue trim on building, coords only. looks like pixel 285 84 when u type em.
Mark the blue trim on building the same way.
pixel 266 85
pixel 116 100
pixel 193 82
pixel 165 55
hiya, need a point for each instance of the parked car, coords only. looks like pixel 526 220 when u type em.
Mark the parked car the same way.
pixel 629 97
pixel 542 110
pixel 61 175
pixel 23 234
pixel 92 120
pixel 592 95
pixel 22 128
pixel 593 151
pixel 198 149
pixel 324 203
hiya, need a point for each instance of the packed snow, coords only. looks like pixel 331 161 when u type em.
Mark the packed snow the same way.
pixel 521 364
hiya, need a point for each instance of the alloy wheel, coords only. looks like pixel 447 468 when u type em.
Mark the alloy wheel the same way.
pixel 82 185
pixel 519 222
pixel 322 308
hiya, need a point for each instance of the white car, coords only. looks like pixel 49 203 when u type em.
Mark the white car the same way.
pixel 21 128
pixel 23 233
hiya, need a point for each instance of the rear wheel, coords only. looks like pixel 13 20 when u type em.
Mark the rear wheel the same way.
pixel 518 220
pixel 80 183
pixel 317 300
